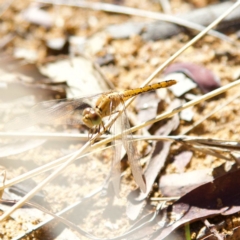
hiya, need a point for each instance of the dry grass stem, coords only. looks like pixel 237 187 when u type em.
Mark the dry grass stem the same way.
pixel 140 13
pixel 45 181
pixel 211 113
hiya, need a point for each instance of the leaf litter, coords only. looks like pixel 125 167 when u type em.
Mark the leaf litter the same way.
pixel 130 75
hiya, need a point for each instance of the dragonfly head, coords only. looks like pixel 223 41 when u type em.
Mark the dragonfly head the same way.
pixel 91 118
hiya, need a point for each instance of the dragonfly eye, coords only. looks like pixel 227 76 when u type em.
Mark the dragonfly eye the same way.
pixel 91 118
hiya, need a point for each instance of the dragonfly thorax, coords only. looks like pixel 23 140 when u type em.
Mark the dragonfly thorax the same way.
pixel 91 118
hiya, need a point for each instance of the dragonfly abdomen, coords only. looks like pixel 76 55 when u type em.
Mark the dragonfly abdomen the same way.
pixel 133 92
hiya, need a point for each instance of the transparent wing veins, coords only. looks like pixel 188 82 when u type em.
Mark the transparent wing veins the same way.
pixel 132 153
pixel 49 112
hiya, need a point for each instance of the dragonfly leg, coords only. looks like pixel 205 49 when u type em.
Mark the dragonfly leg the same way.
pixel 95 130
pixel 90 134
pixel 104 129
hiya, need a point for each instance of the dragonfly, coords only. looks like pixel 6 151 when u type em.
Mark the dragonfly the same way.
pixel 81 110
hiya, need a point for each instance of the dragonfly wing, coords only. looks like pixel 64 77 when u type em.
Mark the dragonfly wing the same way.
pixel 52 112
pixel 133 155
pixel 116 165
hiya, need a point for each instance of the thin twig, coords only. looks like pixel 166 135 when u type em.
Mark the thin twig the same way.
pixel 180 138
pixel 136 12
pixel 44 168
pixel 211 113
pixel 45 181
pixel 65 210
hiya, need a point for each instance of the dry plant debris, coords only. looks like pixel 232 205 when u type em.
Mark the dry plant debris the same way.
pixel 51 52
